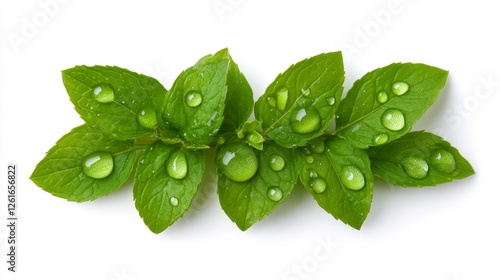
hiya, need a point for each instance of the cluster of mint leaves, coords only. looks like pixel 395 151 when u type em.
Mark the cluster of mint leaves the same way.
pixel 304 129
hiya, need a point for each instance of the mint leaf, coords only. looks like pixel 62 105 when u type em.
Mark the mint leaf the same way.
pixel 251 132
pixel 166 180
pixel 251 183
pixel 339 178
pixel 257 162
pixel 122 104
pixel 385 103
pixel 419 159
pixel 84 165
pixel 300 104
pixel 195 104
pixel 239 100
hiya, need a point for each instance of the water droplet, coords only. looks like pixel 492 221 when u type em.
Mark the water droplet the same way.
pixel 382 97
pixel 355 128
pixel 104 94
pixel 415 167
pixel 331 101
pixel 174 201
pixel 277 163
pixel 443 161
pixel 212 118
pixel 254 137
pixel 317 146
pixel 98 165
pixel 310 159
pixel 271 101
pixel 147 118
pixel 352 177
pixel 305 92
pixel 282 99
pixel 393 119
pixel 193 98
pixel 275 194
pixel 238 162
pixel 306 121
pixel 318 185
pixel 177 166
pixel 400 88
pixel 312 173
pixel 381 138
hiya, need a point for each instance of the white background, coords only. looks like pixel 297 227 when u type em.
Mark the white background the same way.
pixel 450 232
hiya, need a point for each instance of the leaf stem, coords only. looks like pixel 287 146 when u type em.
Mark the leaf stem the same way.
pixel 140 143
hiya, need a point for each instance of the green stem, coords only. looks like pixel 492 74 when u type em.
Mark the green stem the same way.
pixel 141 143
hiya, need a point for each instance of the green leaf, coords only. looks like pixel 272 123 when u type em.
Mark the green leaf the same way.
pixel 339 178
pixel 195 104
pixel 257 162
pixel 251 132
pixel 166 181
pixel 247 200
pixel 419 159
pixel 239 100
pixel 62 172
pixel 300 104
pixel 122 104
pixel 385 103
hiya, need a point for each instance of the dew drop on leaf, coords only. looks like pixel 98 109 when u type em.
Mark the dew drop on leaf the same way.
pixel 282 99
pixel 382 97
pixel 393 119
pixel 98 165
pixel 254 137
pixel 277 163
pixel 174 201
pixel 415 167
pixel 312 173
pixel 310 159
pixel 443 161
pixel 352 178
pixel 317 146
pixel 400 88
pixel 271 101
pixel 380 139
pixel 305 121
pixel 147 118
pixel 177 166
pixel 275 194
pixel 238 162
pixel 331 101
pixel 104 94
pixel 318 184
pixel 305 92
pixel 193 98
